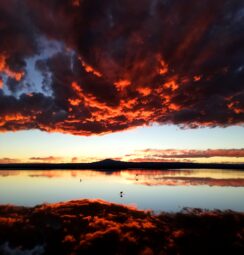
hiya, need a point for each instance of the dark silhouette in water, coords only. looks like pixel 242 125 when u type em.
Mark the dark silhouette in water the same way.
pixel 98 227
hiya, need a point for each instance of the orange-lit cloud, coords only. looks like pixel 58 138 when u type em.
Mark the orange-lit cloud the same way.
pixel 176 153
pixel 149 155
pixel 90 69
pixel 120 69
pixel 1 83
pixel 74 160
pixel 155 159
pixel 76 3
pixel 4 69
pixel 52 159
pixel 122 84
pixel 186 155
pixel 9 160
pixel 49 159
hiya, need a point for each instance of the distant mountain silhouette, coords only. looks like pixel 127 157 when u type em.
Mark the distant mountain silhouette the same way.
pixel 108 161
pixel 114 165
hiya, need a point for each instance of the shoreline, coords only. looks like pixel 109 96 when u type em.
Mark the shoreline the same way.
pixel 112 165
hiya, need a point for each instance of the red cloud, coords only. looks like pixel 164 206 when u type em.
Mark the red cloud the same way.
pixel 74 160
pixel 121 65
pixel 177 154
pixel 9 160
pixel 46 159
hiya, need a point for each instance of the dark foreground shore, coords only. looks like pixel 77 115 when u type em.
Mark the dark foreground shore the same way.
pixel 97 227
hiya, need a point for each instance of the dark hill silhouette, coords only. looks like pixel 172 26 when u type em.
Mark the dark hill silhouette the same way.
pixel 114 165
pixel 107 161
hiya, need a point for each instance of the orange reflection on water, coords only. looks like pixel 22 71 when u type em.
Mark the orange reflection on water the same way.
pixel 221 178
pixel 186 177
pixel 167 190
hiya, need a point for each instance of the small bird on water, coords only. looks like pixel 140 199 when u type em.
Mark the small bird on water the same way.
pixel 121 193
pixel 137 177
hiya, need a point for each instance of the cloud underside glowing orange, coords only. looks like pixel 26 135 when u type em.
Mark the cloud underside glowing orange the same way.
pixel 113 74
pixel 86 114
pixel 177 153
pixel 5 69
pixel 148 155
pixel 186 155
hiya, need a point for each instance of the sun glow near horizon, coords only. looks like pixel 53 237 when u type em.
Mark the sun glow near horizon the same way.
pixel 155 143
pixel 113 88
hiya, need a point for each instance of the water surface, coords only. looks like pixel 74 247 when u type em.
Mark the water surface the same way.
pixel 169 190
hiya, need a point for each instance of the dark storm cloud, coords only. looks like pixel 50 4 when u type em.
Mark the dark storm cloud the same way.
pixel 18 35
pixel 124 64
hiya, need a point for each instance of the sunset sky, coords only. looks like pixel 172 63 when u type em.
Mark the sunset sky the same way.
pixel 149 80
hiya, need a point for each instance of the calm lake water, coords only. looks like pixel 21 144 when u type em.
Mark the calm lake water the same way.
pixel 157 190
